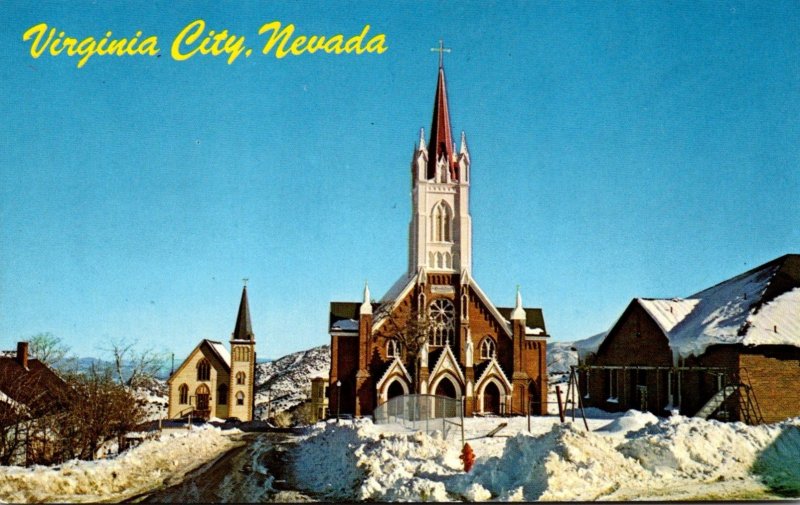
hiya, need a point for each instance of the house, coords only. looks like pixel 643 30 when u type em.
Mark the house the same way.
pixel 30 391
pixel 214 383
pixel 731 351
pixel 319 398
pixel 435 331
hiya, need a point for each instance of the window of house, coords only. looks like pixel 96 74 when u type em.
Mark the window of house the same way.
pixel 203 370
pixel 393 348
pixel 442 314
pixel 222 394
pixel 239 398
pixel 613 385
pixel 184 394
pixel 487 348
pixel 240 378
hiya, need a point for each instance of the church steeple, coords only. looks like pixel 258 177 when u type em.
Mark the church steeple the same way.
pixel 440 145
pixel 440 232
pixel 244 328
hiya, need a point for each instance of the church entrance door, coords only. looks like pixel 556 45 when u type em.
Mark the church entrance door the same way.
pixel 202 394
pixel 395 389
pixel 448 389
pixel 491 399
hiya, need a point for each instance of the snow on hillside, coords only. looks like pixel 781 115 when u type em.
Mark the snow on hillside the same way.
pixel 155 397
pixel 560 354
pixel 635 456
pixel 286 382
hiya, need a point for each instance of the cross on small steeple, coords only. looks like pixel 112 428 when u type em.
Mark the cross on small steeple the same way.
pixel 245 281
pixel 441 49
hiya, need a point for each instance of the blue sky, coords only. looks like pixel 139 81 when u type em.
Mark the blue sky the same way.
pixel 619 149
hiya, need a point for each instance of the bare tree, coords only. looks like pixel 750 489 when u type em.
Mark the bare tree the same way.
pixel 99 410
pixel 50 350
pixel 412 332
pixel 132 367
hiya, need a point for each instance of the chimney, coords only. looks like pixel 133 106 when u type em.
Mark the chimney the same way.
pixel 22 354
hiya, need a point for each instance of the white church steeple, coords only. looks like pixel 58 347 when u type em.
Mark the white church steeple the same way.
pixel 440 232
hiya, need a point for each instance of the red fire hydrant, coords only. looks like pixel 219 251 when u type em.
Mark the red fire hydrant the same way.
pixel 468 457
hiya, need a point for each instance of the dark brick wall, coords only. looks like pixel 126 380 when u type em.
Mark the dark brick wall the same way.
pixel 774 372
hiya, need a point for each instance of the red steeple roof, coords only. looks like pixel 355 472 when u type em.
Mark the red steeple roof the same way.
pixel 441 141
pixel 243 329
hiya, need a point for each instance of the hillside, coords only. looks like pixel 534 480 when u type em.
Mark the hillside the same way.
pixel 286 382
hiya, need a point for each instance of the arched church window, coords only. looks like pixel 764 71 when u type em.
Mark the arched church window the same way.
pixel 239 398
pixel 393 348
pixel 222 394
pixel 240 378
pixel 183 392
pixel 441 219
pixel 487 348
pixel 442 314
pixel 203 370
pixel 241 353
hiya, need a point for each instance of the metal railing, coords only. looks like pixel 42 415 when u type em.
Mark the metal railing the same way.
pixel 426 413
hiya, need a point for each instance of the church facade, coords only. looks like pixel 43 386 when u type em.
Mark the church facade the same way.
pixel 214 383
pixel 435 331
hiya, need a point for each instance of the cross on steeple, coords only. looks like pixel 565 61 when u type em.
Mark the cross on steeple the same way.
pixel 245 281
pixel 441 49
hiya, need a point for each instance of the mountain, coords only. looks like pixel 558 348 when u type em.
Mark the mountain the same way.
pixel 286 382
pixel 560 354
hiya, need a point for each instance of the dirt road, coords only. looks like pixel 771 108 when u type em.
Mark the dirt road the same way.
pixel 253 472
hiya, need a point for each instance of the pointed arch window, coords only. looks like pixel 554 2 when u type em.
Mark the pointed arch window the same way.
pixel 487 348
pixel 183 393
pixel 203 370
pixel 442 315
pixel 240 378
pixel 441 222
pixel 393 348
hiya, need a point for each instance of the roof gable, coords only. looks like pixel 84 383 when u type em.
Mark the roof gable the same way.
pixel 211 348
pixel 758 307
pixel 37 387
pixel 447 362
pixel 491 368
pixel 395 366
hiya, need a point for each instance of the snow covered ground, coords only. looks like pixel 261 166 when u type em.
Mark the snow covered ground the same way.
pixel 623 457
pixel 135 471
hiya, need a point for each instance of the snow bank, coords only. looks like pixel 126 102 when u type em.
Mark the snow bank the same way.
pixel 635 456
pixel 135 471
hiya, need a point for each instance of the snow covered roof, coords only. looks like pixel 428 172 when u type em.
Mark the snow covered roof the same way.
pixel 221 351
pixel 758 307
pixel 668 312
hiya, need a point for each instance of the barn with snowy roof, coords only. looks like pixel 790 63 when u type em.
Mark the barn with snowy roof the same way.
pixel 435 331
pixel 214 383
pixel 731 351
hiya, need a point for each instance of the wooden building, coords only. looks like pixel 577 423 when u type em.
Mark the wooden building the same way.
pixel 731 351
pixel 214 383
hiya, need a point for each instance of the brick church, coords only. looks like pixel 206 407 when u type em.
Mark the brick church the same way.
pixel 435 331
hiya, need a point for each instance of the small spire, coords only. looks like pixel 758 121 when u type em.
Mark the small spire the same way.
pixel 422 138
pixel 463 143
pixel 366 307
pixel 440 145
pixel 518 312
pixel 244 328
